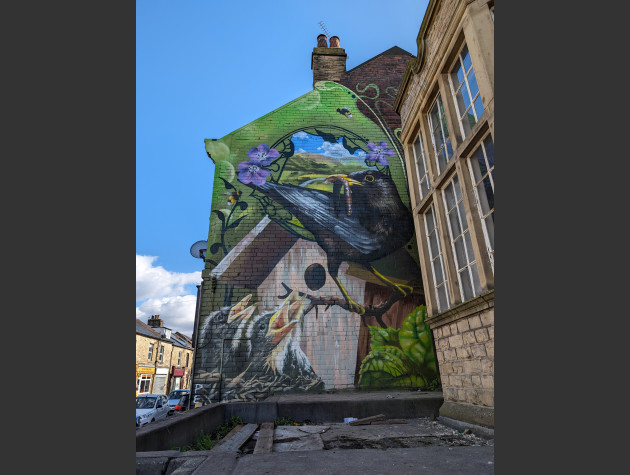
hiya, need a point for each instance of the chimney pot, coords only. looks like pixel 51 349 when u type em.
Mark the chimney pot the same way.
pixel 322 41
pixel 334 42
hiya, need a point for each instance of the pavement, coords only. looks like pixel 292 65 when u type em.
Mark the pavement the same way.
pixel 421 444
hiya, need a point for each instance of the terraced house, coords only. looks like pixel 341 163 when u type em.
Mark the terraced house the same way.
pixel 163 358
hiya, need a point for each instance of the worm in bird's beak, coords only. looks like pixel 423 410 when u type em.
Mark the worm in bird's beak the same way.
pixel 286 317
pixel 344 179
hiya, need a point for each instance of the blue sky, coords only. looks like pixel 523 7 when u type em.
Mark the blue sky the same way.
pixel 205 68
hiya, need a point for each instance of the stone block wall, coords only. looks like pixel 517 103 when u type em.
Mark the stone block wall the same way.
pixel 465 353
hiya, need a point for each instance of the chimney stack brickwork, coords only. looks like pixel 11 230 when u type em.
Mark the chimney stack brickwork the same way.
pixel 155 321
pixel 328 64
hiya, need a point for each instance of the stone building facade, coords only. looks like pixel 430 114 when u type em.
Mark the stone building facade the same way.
pixel 446 104
pixel 163 358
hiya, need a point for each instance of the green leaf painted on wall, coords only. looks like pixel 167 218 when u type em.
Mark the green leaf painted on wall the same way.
pixel 416 340
pixel 383 337
pixel 388 359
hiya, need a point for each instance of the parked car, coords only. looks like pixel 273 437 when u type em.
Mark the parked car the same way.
pixel 151 407
pixel 182 404
pixel 175 396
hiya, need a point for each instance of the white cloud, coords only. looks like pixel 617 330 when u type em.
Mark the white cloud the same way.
pixel 172 295
pixel 301 150
pixel 155 281
pixel 301 135
pixel 336 150
pixel 361 154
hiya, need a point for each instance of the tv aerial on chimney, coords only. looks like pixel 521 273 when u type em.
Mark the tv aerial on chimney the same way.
pixel 198 249
pixel 321 23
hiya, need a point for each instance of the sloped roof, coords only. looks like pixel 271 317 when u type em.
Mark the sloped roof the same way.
pixel 393 51
pixel 176 339
pixel 144 329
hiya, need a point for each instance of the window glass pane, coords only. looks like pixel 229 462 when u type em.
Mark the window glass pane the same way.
pixel 455 226
pixel 417 146
pixel 435 250
pixel 445 126
pixel 449 194
pixel 469 121
pixel 441 160
pixel 424 187
pixel 489 193
pixel 458 191
pixel 462 104
pixel 466 285
pixel 442 297
pixel 466 56
pixel 482 163
pixel 475 278
pixel 472 82
pixel 429 220
pixel 459 253
pixel 489 146
pixel 478 106
pixel 490 228
pixel 483 199
pixel 437 269
pixel 459 74
pixel 462 214
pixel 469 248
pixel 449 148
pixel 465 98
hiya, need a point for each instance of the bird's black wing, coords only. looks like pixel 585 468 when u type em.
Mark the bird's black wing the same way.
pixel 317 207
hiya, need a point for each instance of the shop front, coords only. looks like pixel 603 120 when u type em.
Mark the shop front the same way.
pixel 176 380
pixel 144 377
pixel 159 383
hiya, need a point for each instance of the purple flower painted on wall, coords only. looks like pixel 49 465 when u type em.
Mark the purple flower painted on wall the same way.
pixel 252 172
pixel 263 154
pixel 378 152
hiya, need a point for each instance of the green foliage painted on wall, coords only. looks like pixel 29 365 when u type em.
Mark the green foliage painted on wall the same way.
pixel 401 358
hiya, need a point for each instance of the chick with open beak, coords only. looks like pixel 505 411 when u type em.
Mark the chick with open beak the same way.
pixel 286 356
pixel 240 311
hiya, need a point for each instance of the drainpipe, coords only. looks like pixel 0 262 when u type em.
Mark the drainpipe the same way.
pixel 194 343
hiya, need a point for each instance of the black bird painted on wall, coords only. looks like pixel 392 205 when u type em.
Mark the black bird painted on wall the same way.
pixel 374 223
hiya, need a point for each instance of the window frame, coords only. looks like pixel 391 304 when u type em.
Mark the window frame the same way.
pixel 443 125
pixel 467 246
pixel 179 358
pixel 161 354
pixel 421 177
pixel 432 259
pixel 150 355
pixel 472 162
pixel 462 116
pixel 144 378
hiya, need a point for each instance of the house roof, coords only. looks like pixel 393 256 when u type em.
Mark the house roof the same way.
pixel 176 339
pixel 394 50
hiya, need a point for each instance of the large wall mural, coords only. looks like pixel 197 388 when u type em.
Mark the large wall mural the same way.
pixel 312 279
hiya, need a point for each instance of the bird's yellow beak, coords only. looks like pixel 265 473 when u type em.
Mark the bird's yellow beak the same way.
pixel 346 178
pixel 286 317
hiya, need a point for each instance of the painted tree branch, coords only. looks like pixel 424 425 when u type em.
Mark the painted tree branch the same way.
pixel 375 311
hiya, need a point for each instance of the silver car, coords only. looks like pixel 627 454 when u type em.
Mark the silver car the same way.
pixel 150 408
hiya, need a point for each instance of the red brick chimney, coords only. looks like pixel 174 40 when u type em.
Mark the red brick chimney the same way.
pixel 328 64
